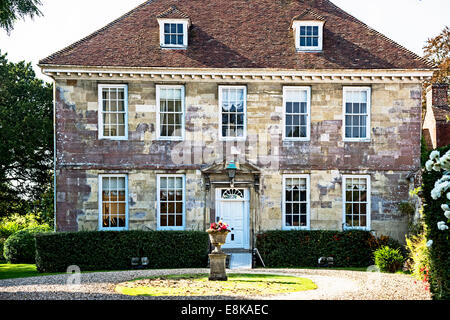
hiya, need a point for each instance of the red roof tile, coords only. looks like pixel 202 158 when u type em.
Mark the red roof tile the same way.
pixel 237 34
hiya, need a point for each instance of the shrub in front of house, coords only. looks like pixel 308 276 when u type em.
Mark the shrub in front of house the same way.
pixel 20 247
pixel 113 250
pixel 388 259
pixel 300 248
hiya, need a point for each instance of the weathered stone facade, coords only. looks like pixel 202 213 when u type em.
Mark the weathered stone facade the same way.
pixel 391 158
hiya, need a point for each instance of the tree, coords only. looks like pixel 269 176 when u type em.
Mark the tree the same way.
pixel 12 10
pixel 26 132
pixel 437 52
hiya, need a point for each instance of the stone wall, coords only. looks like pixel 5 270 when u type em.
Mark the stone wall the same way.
pixel 392 154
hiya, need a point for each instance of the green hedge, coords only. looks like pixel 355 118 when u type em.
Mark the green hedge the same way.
pixel 20 246
pixel 303 248
pixel 440 250
pixel 113 250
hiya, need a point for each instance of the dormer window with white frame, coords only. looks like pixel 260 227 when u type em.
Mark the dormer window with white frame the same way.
pixel 308 35
pixel 173 33
pixel 173 28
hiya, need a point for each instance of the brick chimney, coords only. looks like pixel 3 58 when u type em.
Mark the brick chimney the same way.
pixel 439 95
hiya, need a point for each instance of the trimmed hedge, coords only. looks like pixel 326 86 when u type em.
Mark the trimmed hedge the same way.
pixel 285 249
pixel 20 246
pixel 113 250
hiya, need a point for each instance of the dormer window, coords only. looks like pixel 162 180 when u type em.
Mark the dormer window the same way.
pixel 173 29
pixel 308 31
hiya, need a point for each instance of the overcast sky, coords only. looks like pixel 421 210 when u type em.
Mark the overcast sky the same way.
pixel 408 22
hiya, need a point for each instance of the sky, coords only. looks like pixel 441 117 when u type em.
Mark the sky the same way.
pixel 408 22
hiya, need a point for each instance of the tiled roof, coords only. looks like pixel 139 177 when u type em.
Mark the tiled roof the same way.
pixel 173 13
pixel 308 15
pixel 237 34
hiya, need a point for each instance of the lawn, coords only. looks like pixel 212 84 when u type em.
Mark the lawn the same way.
pixel 10 271
pixel 199 285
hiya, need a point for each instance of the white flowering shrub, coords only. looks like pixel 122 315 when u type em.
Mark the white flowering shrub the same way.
pixel 442 186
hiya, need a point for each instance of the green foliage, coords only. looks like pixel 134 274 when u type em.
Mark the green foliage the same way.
pixel 406 209
pixel 303 248
pixel 21 246
pixel 12 10
pixel 26 151
pixel 15 223
pixel 388 259
pixel 440 250
pixel 113 250
pixel 418 258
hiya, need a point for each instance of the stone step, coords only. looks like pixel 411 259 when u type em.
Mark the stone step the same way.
pixel 240 261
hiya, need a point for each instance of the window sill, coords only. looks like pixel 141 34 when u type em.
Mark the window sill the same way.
pixel 170 139
pixel 173 47
pixel 171 229
pixel 113 229
pixel 284 228
pixel 232 139
pixel 114 138
pixel 309 50
pixel 357 140
pixel 356 228
pixel 296 140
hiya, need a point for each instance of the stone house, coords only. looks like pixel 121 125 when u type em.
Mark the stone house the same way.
pixel 436 125
pixel 320 114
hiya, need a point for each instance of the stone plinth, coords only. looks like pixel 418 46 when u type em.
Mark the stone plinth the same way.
pixel 217 267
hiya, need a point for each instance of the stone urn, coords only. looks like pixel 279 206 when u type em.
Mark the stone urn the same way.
pixel 217 258
pixel 217 239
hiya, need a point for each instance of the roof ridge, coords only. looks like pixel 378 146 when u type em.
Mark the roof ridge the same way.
pixel 381 35
pixel 42 61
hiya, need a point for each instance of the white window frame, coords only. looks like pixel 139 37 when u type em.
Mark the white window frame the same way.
pixel 296 26
pixel 100 111
pixel 368 206
pixel 244 137
pixel 100 202
pixel 369 111
pixel 184 22
pixel 158 113
pixel 158 203
pixel 308 110
pixel 308 204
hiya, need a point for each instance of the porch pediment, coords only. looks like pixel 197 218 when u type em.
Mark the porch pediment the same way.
pixel 242 168
pixel 246 174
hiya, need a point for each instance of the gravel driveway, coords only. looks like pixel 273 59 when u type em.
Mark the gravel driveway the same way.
pixel 332 285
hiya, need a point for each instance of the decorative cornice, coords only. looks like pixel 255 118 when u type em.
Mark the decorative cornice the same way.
pixel 236 75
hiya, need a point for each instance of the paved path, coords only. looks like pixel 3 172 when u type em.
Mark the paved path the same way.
pixel 332 285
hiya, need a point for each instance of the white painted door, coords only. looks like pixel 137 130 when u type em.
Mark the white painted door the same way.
pixel 232 207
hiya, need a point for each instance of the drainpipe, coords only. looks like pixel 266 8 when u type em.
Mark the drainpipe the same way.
pixel 54 155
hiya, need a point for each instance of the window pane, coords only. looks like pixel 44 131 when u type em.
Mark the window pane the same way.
pixel 302 30
pixel 315 31
pixel 289 107
pixel 315 42
pixel 179 28
pixel 303 41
